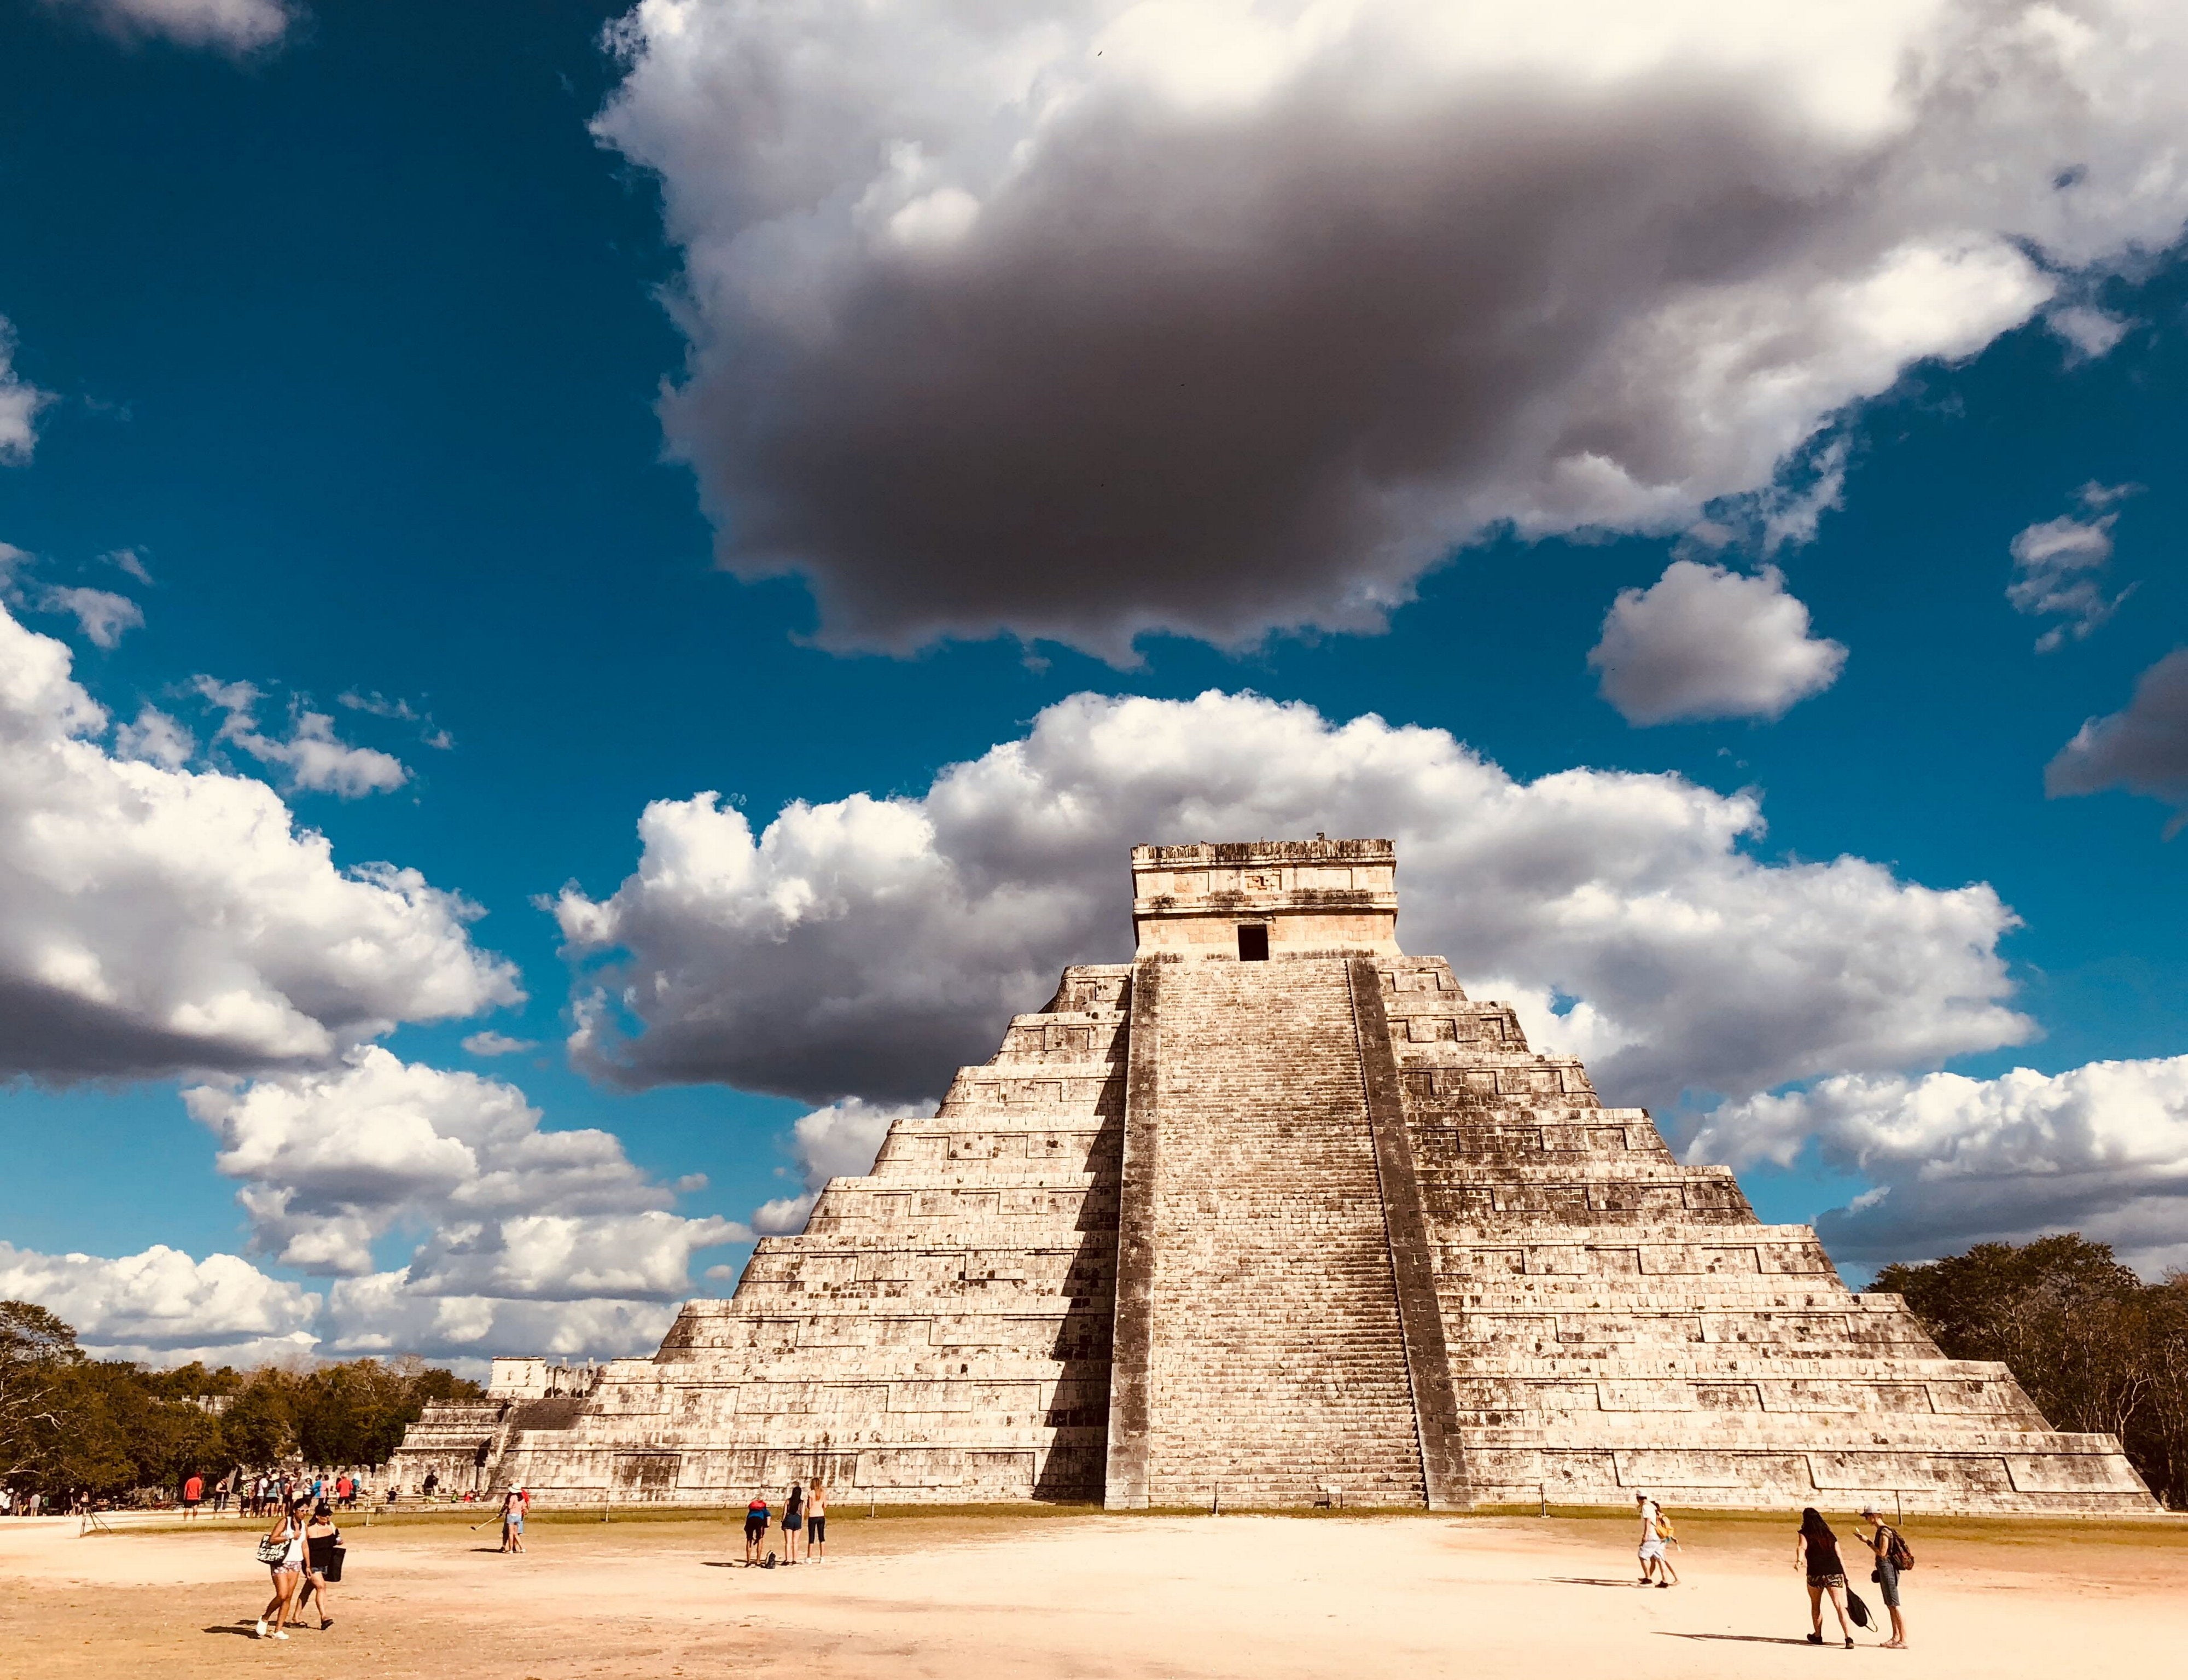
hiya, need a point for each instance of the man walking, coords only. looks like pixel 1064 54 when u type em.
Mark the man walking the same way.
pixel 1892 1556
pixel 1652 1554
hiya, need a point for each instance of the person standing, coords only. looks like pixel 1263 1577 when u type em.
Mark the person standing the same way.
pixel 193 1495
pixel 755 1528
pixel 512 1522
pixel 1816 1554
pixel 433 1481
pixel 1892 1556
pixel 816 1523
pixel 793 1521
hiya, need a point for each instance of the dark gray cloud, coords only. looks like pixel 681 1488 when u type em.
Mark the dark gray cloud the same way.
pixel 1705 641
pixel 2143 749
pixel 1078 321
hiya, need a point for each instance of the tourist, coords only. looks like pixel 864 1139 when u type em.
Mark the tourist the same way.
pixel 1816 1554
pixel 222 1488
pixel 755 1528
pixel 322 1540
pixel 1891 1557
pixel 433 1481
pixel 512 1522
pixel 816 1522
pixel 193 1495
pixel 793 1520
pixel 282 1551
pixel 1652 1553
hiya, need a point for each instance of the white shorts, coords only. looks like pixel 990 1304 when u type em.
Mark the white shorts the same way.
pixel 1651 1548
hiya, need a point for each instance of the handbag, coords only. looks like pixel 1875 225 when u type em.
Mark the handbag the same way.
pixel 1858 1608
pixel 272 1550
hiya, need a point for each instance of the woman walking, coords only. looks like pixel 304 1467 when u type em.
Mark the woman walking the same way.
pixel 1816 1554
pixel 282 1550
pixel 322 1539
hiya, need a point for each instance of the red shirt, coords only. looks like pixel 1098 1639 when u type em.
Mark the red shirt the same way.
pixel 193 1491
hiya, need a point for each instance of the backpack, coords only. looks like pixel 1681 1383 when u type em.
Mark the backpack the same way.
pixel 1664 1529
pixel 1897 1551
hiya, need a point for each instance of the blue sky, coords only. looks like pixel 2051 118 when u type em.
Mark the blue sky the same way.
pixel 353 331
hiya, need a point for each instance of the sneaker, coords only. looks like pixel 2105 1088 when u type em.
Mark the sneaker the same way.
pixel 280 1634
pixel 261 1633
pixel 1663 1583
pixel 1815 1638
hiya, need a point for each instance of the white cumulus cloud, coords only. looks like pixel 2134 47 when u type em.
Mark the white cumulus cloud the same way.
pixel 509 1237
pixel 154 920
pixel 1079 320
pixel 2143 748
pixel 513 1235
pixel 332 1162
pixel 837 1141
pixel 2101 1149
pixel 1703 641
pixel 231 26
pixel 165 1308
pixel 868 946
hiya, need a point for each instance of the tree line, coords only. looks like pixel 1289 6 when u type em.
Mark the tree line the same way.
pixel 112 1427
pixel 2095 1347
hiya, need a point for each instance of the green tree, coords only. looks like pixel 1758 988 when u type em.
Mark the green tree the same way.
pixel 37 1355
pixel 259 1427
pixel 2095 1348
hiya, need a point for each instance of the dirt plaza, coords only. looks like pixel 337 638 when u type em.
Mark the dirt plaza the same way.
pixel 1083 1593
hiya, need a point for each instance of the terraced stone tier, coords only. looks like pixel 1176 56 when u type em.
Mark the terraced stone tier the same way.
pixel 1274 1210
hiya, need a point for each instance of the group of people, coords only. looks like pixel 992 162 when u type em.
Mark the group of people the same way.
pixel 1815 1555
pixel 262 1495
pixel 303 1551
pixel 804 1526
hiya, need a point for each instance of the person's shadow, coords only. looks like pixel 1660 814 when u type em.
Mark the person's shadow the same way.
pixel 242 1630
pixel 1735 1639
pixel 1588 1581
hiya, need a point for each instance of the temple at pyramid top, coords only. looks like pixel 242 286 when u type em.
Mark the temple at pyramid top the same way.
pixel 1259 899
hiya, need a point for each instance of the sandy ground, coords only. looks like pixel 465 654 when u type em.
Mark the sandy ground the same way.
pixel 960 1596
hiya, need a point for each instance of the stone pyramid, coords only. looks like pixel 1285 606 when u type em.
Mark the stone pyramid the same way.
pixel 1271 1216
